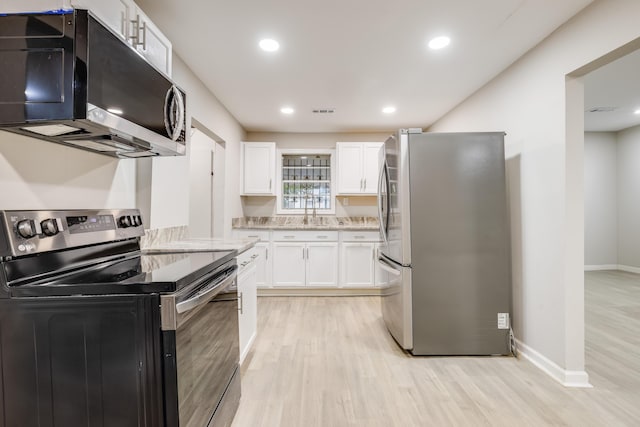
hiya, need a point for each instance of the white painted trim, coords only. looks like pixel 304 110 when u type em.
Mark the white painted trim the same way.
pixel 301 291
pixel 578 379
pixel 597 267
pixel 628 269
pixel 246 350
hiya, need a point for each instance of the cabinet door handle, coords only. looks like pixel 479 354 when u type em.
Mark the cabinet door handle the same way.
pixel 307 253
pixel 240 300
pixel 144 35
pixel 289 237
pixel 123 28
pixel 303 257
pixel 270 181
pixel 360 184
pixel 358 237
pixel 137 29
pixel 266 254
pixel 322 237
pixel 254 256
pixel 255 237
pixel 364 187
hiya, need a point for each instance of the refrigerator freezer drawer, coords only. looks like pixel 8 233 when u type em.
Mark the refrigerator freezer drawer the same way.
pixel 396 302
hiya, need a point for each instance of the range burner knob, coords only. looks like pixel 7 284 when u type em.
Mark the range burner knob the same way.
pixel 49 227
pixel 137 220
pixel 125 222
pixel 26 228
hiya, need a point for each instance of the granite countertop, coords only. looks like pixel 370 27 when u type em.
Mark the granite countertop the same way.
pixel 358 223
pixel 202 245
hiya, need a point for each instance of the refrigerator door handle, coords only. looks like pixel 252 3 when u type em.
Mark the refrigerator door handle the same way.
pixel 382 181
pixel 388 267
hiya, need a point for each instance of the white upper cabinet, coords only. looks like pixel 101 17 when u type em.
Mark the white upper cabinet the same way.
pixel 358 166
pixel 258 168
pixel 371 167
pixel 114 14
pixel 149 40
pixel 123 17
pixel 33 6
pixel 349 168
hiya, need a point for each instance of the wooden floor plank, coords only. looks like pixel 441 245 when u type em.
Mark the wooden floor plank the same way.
pixel 329 361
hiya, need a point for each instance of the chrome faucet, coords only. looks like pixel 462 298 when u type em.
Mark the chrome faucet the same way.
pixel 305 220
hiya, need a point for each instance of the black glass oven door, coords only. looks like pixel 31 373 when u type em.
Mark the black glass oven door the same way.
pixel 206 353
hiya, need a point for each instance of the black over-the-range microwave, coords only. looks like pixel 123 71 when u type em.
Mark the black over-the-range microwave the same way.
pixel 66 78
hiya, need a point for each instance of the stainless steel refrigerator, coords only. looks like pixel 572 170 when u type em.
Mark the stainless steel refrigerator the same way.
pixel 446 244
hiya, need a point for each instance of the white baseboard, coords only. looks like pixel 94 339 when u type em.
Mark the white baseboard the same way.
pixel 601 267
pixel 246 350
pixel 318 292
pixel 629 269
pixel 578 379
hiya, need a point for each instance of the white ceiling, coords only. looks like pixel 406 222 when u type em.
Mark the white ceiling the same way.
pixel 614 88
pixel 356 56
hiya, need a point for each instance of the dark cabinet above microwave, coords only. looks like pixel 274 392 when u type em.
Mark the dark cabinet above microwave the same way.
pixel 66 78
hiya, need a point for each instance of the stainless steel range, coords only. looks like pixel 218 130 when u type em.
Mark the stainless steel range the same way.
pixel 93 333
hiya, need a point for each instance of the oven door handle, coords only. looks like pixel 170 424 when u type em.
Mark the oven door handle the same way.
pixel 205 295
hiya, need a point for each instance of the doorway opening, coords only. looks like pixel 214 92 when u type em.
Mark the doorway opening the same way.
pixel 206 182
pixel 611 218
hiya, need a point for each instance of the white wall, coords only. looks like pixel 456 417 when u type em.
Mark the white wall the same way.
pixel 600 199
pixel 352 206
pixel 629 197
pixel 36 174
pixel 539 108
pixel 206 108
pixel 169 193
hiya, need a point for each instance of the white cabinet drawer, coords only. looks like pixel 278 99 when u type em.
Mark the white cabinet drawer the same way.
pixel 360 236
pixel 263 235
pixel 305 236
pixel 246 257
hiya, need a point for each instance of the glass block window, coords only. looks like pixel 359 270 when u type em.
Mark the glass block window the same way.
pixel 306 180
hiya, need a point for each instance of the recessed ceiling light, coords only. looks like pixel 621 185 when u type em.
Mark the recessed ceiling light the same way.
pixel 636 112
pixel 287 110
pixel 388 110
pixel 269 45
pixel 439 42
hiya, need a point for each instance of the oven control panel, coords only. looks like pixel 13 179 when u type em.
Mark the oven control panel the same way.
pixel 29 232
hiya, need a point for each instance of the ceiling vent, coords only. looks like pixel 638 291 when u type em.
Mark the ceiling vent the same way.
pixel 601 109
pixel 323 110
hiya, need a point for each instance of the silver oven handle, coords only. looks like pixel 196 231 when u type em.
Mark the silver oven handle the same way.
pixel 205 295
pixel 388 267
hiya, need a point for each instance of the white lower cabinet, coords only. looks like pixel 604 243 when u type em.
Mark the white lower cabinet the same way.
pixel 247 300
pixel 305 258
pixel 322 264
pixel 263 265
pixel 289 264
pixel 357 265
pixel 321 259
pixel 264 262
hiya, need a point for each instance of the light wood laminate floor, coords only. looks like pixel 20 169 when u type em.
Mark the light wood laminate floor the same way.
pixel 331 362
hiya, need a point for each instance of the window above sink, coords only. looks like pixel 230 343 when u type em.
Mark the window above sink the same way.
pixel 306 178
